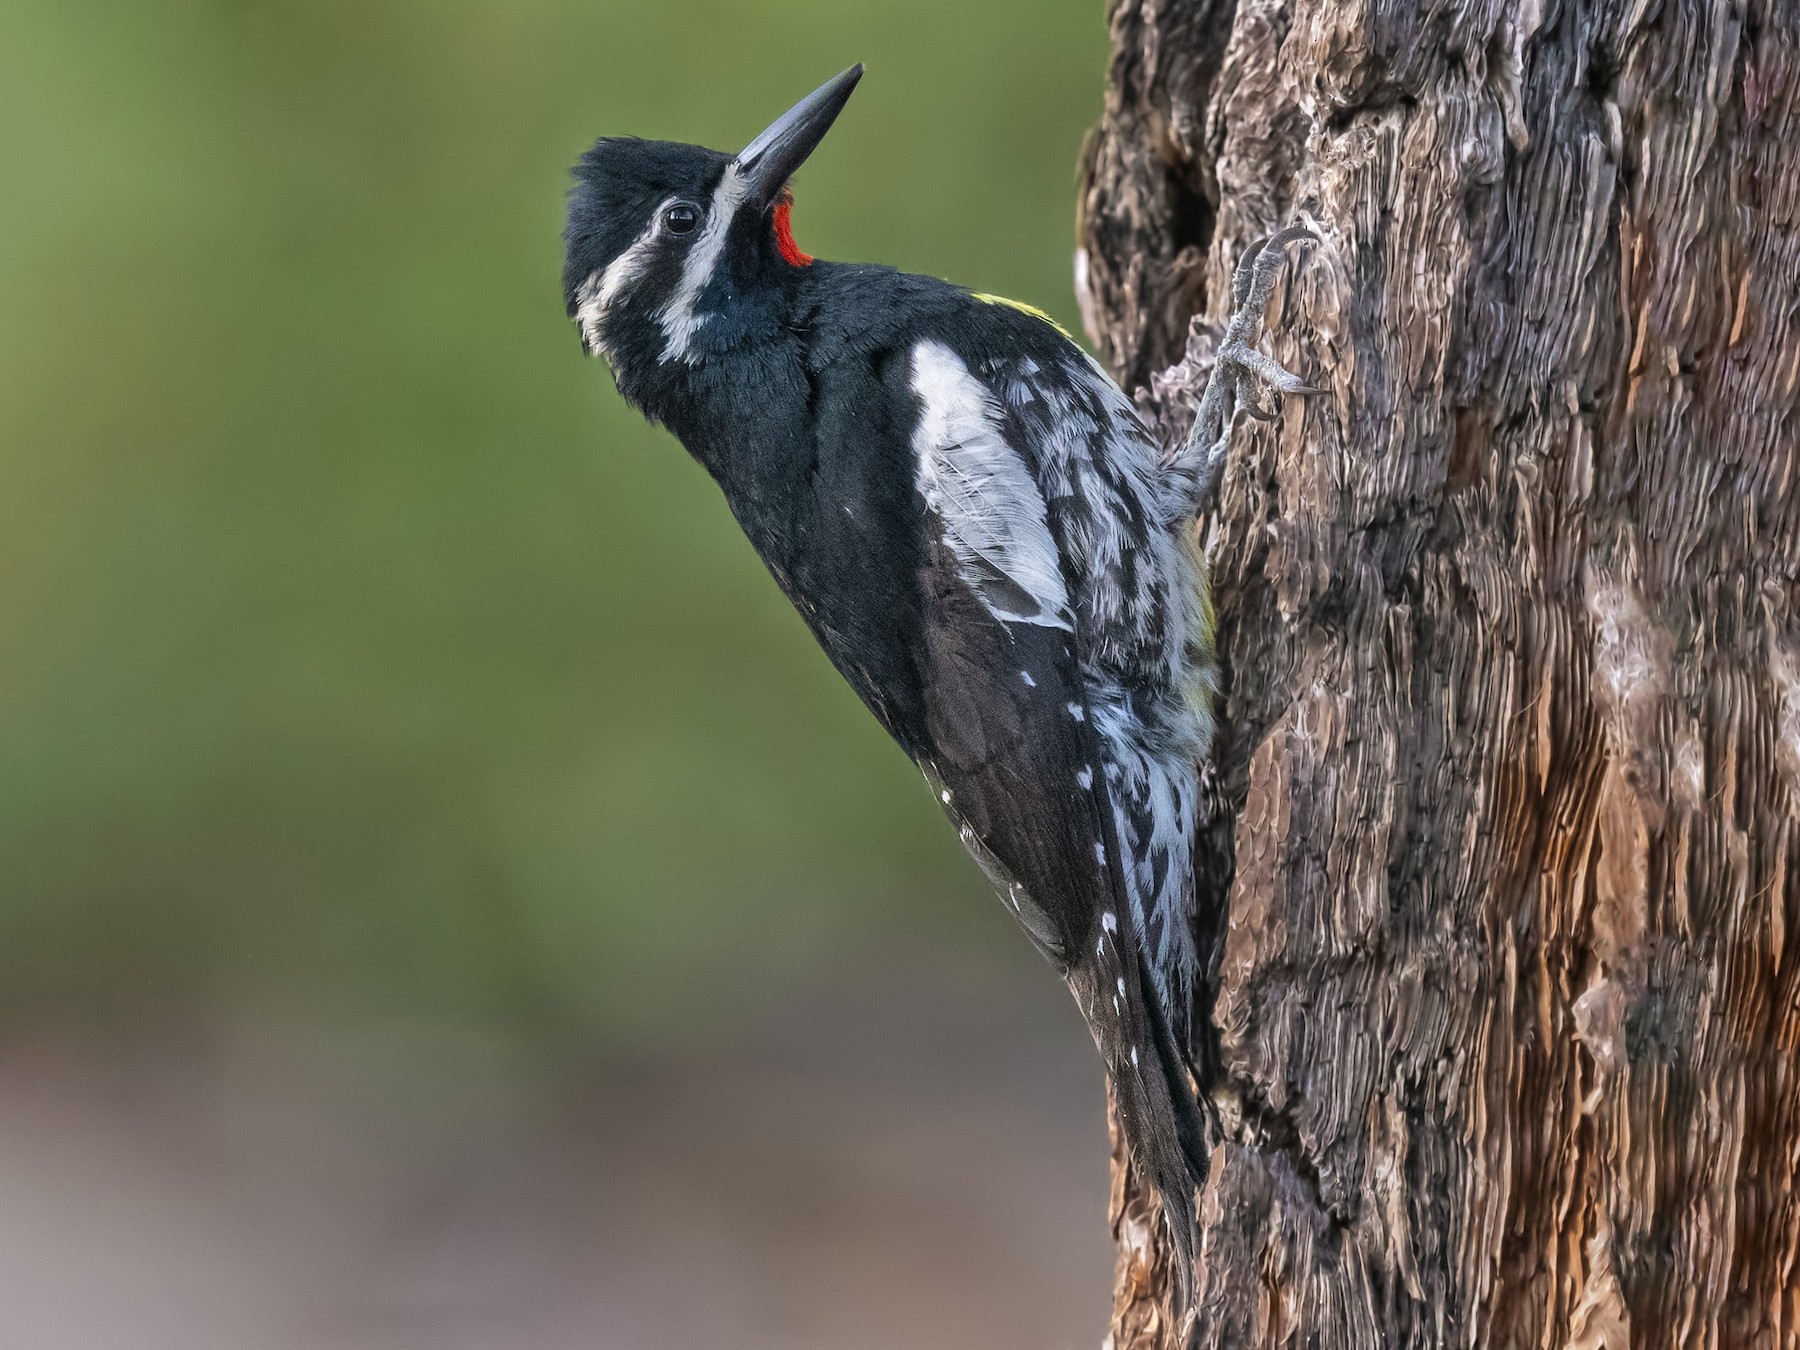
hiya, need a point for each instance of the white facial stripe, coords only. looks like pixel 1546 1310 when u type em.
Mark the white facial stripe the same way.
pixel 628 266
pixel 589 311
pixel 980 490
pixel 599 291
pixel 678 319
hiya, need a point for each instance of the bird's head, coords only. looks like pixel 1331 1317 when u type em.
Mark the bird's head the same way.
pixel 677 252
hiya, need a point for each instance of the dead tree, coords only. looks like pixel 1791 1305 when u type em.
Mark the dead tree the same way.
pixel 1505 1002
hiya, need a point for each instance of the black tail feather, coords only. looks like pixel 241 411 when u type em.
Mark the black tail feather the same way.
pixel 1157 1111
pixel 1191 1116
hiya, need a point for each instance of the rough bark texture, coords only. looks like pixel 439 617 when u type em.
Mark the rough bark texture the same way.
pixel 1507 997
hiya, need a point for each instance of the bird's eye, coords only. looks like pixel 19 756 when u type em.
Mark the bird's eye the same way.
pixel 681 219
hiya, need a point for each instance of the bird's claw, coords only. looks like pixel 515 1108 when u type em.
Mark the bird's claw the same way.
pixel 1241 374
pixel 1258 265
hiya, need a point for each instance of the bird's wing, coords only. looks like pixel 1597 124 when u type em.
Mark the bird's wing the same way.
pixel 1013 767
pixel 1007 723
pixel 1109 497
pixel 1014 751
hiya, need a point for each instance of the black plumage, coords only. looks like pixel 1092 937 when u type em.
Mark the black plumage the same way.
pixel 982 536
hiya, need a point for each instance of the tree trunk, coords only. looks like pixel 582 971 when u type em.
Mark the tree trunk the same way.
pixel 1506 1014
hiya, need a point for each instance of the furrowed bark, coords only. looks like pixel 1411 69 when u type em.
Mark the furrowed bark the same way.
pixel 1506 992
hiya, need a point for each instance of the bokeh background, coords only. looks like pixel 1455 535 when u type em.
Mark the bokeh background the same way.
pixel 445 897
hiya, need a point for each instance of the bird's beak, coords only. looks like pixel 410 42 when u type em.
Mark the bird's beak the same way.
pixel 766 164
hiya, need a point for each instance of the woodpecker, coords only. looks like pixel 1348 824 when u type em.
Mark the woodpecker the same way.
pixel 984 537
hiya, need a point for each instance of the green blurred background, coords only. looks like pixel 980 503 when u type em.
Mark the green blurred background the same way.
pixel 446 899
pixel 357 644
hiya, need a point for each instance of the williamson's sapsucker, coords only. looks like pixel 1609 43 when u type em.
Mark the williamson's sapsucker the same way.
pixel 983 536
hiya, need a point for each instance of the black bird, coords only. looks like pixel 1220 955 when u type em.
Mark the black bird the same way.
pixel 983 536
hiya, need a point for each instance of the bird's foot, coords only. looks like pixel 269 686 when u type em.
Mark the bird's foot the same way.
pixel 1241 374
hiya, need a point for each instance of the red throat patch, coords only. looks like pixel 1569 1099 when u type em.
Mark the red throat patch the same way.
pixel 784 235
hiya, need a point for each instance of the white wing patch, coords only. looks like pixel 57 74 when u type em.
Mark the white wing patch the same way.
pixel 980 490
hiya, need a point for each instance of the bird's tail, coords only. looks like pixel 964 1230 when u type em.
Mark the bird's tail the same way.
pixel 1152 1093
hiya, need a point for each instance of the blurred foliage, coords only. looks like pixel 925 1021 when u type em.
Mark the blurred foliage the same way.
pixel 356 642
